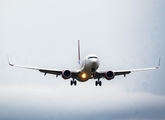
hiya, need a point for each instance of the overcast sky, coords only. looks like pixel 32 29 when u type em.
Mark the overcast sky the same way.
pixel 125 34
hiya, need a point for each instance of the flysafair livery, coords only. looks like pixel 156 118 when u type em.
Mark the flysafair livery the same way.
pixel 88 69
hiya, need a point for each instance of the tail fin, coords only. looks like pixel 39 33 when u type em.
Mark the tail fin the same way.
pixel 78 51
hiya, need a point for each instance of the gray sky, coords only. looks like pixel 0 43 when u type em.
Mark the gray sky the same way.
pixel 124 34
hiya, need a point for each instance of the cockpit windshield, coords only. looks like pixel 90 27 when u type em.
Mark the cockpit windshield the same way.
pixel 92 57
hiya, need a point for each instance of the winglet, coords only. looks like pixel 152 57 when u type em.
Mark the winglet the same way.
pixel 158 63
pixel 9 61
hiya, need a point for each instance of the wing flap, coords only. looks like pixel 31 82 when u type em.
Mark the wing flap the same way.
pixel 55 72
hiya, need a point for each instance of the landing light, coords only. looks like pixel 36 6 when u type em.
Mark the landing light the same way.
pixel 84 75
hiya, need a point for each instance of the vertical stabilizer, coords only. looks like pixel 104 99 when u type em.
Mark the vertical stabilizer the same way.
pixel 79 52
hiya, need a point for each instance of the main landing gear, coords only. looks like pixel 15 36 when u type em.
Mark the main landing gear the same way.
pixel 73 82
pixel 98 83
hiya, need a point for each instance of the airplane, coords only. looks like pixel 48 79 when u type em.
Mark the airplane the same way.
pixel 87 69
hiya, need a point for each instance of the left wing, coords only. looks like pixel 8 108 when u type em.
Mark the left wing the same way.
pixel 101 73
pixel 124 72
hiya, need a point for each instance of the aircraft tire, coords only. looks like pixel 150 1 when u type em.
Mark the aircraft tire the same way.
pixel 96 83
pixel 75 83
pixel 100 83
pixel 71 82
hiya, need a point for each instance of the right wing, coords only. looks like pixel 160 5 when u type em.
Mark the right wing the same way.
pixel 45 70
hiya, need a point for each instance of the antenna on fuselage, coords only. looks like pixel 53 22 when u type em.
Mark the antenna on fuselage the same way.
pixel 78 51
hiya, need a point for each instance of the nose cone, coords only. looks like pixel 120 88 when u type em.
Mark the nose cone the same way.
pixel 95 63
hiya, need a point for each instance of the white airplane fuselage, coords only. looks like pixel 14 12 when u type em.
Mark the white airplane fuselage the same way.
pixel 88 68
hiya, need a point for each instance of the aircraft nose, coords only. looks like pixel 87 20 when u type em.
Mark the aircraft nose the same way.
pixel 95 62
pixel 94 65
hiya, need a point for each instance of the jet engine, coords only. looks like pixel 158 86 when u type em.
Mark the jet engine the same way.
pixel 109 75
pixel 66 74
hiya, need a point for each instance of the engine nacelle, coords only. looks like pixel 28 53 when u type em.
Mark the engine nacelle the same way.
pixel 66 74
pixel 109 75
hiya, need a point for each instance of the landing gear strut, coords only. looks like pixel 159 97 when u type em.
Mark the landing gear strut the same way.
pixel 98 83
pixel 73 82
